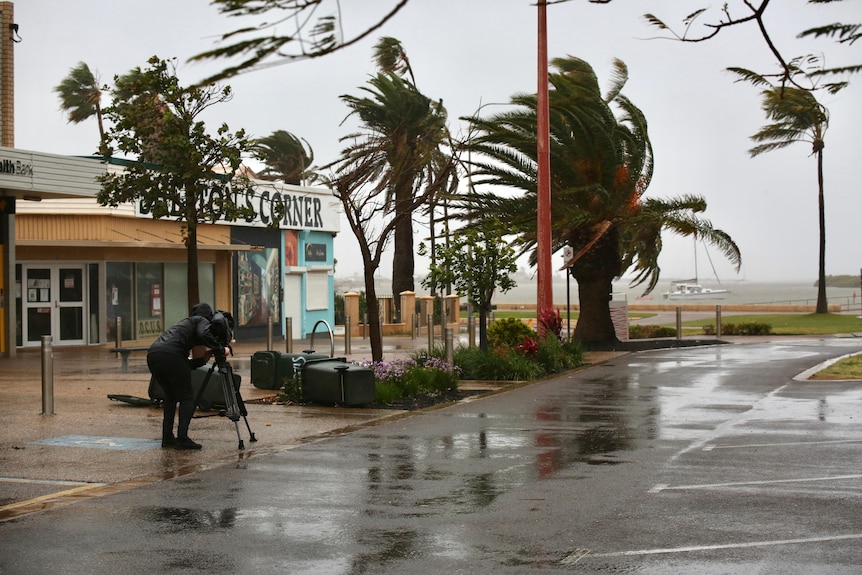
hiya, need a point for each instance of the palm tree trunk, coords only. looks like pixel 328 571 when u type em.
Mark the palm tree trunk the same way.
pixel 594 322
pixel 822 306
pixel 402 259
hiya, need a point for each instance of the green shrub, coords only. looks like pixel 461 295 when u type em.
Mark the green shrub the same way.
pixel 292 390
pixel 508 333
pixel 650 331
pixel 555 356
pixel 753 328
pixel 496 365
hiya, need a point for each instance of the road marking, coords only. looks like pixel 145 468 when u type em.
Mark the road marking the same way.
pixel 712 446
pixel 118 443
pixel 659 487
pixel 51 496
pixel 579 554
pixel 44 481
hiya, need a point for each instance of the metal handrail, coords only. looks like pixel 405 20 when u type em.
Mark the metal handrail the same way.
pixel 331 336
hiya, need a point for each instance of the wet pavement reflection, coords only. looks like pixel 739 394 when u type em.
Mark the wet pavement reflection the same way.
pixel 711 460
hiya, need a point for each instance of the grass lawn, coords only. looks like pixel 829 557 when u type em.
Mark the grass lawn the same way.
pixel 847 368
pixel 794 324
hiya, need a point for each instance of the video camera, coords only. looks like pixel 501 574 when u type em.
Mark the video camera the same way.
pixel 221 327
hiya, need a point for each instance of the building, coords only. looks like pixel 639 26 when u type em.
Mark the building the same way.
pixel 92 275
pixel 78 266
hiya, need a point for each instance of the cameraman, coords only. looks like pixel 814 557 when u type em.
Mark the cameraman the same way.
pixel 169 362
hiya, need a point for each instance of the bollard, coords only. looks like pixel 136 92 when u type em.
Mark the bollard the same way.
pixel 48 375
pixel 413 326
pixel 347 335
pixel 118 334
pixel 718 321
pixel 288 335
pixel 449 346
pixel 269 332
pixel 471 327
pixel 678 323
pixel 430 332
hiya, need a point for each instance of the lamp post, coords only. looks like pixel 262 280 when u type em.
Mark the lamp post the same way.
pixel 545 294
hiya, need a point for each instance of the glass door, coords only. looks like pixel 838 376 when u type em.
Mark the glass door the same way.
pixel 53 304
pixel 69 305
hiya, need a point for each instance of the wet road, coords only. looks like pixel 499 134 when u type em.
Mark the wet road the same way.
pixel 700 460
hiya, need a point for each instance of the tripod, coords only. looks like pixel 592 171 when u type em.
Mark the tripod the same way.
pixel 234 405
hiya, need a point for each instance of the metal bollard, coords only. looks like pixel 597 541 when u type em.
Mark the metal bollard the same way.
pixel 269 332
pixel 430 332
pixel 413 326
pixel 471 327
pixel 48 375
pixel 347 335
pixel 288 335
pixel 118 334
pixel 678 323
pixel 449 346
pixel 718 321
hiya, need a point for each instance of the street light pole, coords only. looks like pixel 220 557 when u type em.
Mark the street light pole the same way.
pixel 545 294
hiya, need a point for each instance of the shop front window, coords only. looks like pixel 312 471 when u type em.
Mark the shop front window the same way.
pixel 149 301
pixel 120 296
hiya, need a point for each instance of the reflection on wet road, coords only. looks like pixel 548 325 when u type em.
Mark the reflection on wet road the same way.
pixel 707 460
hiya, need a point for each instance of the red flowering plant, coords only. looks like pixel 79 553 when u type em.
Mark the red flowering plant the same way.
pixel 529 347
pixel 551 319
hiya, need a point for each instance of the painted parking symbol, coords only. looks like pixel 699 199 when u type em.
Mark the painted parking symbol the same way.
pixel 95 442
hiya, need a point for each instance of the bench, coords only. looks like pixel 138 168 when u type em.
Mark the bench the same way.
pixel 125 352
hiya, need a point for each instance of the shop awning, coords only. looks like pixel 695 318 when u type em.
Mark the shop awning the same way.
pixel 137 245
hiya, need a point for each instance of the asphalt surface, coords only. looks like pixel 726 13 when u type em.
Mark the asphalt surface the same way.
pixel 705 459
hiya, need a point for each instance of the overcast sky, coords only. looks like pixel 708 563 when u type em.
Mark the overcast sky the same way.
pixel 469 52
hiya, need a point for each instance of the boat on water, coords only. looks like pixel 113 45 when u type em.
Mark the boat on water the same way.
pixel 688 290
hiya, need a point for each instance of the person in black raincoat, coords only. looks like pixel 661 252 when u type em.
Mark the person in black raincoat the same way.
pixel 169 362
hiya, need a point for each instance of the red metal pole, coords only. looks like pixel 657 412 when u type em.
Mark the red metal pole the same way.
pixel 545 295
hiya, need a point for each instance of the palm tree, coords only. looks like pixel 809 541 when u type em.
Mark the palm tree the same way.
pixel 286 156
pixel 601 165
pixel 390 168
pixel 81 98
pixel 401 135
pixel 797 116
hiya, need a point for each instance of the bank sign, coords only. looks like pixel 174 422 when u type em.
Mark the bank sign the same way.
pixel 274 205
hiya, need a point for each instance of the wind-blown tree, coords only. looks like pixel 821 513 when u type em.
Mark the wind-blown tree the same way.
pixel 315 32
pixel 81 97
pixel 401 139
pixel 796 116
pixel 477 262
pixel 174 167
pixel 287 157
pixel 754 13
pixel 310 28
pixel 391 167
pixel 601 166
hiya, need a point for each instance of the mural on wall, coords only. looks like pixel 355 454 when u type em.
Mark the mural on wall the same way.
pixel 291 248
pixel 258 277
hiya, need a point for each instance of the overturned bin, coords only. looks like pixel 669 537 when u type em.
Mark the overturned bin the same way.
pixel 269 369
pixel 336 381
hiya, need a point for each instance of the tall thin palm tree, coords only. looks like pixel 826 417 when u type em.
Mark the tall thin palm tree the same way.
pixel 601 166
pixel 401 137
pixel 797 116
pixel 287 157
pixel 81 98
